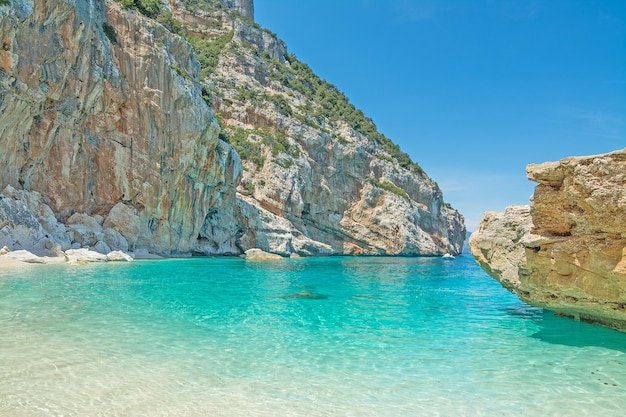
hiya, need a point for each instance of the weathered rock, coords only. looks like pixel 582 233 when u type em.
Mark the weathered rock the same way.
pixel 321 180
pixel 26 256
pixel 104 126
pixel 90 120
pixel 275 234
pixel 567 251
pixel 83 255
pixel 55 232
pixel 119 256
pixel 19 229
pixel 85 221
pixel 101 247
pixel 115 240
pixel 124 220
pixel 256 254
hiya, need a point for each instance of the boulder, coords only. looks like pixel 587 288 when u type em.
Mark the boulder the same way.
pixel 119 256
pixel 83 255
pixel 256 254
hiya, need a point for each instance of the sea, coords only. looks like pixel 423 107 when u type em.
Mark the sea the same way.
pixel 328 336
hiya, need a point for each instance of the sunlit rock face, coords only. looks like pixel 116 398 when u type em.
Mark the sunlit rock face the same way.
pixel 91 121
pixel 312 183
pixel 567 250
pixel 109 139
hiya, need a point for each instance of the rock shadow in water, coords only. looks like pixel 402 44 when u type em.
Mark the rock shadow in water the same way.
pixel 305 295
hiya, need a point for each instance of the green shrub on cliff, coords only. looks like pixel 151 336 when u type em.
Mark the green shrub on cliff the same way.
pixel 333 105
pixel 4 2
pixel 391 187
pixel 173 25
pixel 208 51
pixel 150 8
pixel 248 150
pixel 109 31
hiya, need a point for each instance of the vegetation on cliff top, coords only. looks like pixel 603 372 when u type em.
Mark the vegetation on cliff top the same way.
pixel 333 105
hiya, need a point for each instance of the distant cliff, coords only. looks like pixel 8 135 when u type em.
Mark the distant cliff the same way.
pixel 566 251
pixel 182 127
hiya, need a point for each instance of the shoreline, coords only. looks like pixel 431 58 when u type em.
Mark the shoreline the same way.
pixel 7 263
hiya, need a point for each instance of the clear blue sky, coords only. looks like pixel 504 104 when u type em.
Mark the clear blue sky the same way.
pixel 472 90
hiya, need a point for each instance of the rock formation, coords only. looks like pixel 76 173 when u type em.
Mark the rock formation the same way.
pixel 317 177
pixel 566 251
pixel 192 130
pixel 100 108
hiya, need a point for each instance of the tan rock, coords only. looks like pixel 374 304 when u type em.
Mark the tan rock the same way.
pixel 567 251
pixel 256 254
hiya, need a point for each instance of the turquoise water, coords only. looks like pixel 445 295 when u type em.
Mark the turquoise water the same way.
pixel 300 337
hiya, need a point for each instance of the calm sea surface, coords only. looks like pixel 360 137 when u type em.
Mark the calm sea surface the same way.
pixel 300 337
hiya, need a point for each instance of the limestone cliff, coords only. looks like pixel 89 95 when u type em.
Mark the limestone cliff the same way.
pixel 101 107
pixel 318 178
pixel 566 251
pixel 122 127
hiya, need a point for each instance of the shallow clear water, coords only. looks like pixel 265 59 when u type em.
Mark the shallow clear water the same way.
pixel 300 337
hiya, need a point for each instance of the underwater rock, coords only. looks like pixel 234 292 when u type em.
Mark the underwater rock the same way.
pixel 307 295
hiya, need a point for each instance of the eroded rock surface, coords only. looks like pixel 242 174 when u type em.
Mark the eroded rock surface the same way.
pixel 567 250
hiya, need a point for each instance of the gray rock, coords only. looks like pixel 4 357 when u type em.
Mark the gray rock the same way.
pixel 84 220
pixel 101 247
pixel 124 220
pixel 26 256
pixel 115 240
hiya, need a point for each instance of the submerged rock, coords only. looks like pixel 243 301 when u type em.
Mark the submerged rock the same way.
pixel 307 295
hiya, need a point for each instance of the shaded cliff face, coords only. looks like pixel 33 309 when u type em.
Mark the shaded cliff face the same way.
pixel 318 178
pixel 93 119
pixel 567 251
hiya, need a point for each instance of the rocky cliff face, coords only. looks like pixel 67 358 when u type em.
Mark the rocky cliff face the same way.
pixel 92 121
pixel 317 178
pixel 107 138
pixel 567 250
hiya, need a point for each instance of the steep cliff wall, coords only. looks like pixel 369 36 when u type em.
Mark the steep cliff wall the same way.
pixel 101 106
pixel 567 251
pixel 108 138
pixel 318 178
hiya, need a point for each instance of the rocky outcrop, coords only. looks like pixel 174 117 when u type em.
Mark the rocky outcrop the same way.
pixel 566 251
pixel 244 7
